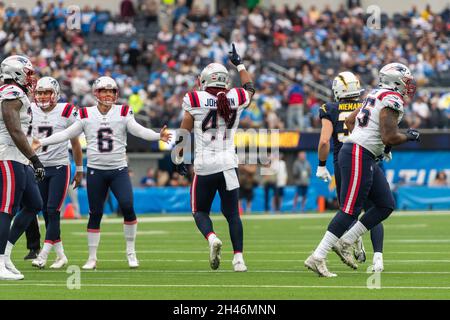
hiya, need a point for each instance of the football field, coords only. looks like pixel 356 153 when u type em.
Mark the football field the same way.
pixel 174 262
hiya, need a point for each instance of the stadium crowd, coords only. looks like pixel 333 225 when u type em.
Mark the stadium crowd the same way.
pixel 155 51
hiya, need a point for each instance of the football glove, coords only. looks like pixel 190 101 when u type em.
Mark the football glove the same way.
pixel 234 57
pixel 387 154
pixel 181 169
pixel 412 135
pixel 39 171
pixel 323 173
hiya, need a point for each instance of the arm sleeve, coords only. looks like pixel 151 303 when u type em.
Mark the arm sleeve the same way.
pixel 141 132
pixel 71 132
pixel 324 112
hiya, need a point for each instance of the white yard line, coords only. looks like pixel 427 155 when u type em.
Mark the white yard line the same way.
pixel 239 286
pixel 284 216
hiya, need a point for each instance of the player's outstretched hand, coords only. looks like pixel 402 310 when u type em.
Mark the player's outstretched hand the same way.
pixel 165 135
pixel 36 144
pixel 234 57
pixel 413 135
pixel 77 179
pixel 323 173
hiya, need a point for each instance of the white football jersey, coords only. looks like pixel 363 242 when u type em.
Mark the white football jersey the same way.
pixel 214 140
pixel 8 150
pixel 367 126
pixel 106 136
pixel 47 123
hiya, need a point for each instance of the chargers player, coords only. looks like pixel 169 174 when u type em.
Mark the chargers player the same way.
pixel 347 90
pixel 213 113
pixel 50 117
pixel 17 180
pixel 374 126
pixel 105 127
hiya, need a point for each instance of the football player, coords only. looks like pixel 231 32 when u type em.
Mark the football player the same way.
pixel 50 117
pixel 105 126
pixel 213 113
pixel 17 179
pixel 346 90
pixel 373 127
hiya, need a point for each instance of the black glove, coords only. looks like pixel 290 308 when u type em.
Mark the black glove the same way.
pixel 412 135
pixel 234 56
pixel 39 171
pixel 181 169
pixel 387 149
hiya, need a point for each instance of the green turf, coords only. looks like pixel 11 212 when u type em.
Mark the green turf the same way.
pixel 174 262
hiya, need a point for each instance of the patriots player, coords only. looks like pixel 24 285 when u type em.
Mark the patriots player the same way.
pixel 18 186
pixel 50 117
pixel 213 113
pixel 105 127
pixel 347 90
pixel 373 127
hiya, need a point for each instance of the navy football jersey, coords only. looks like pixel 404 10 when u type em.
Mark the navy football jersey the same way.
pixel 337 112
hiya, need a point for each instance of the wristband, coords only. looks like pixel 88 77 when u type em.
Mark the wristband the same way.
pixel 240 67
pixel 79 168
pixel 322 163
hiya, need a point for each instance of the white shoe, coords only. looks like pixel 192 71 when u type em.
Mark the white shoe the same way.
pixel 5 274
pixel 214 253
pixel 319 266
pixel 377 262
pixel 39 262
pixel 345 252
pixel 11 267
pixel 91 264
pixel 360 252
pixel 132 260
pixel 239 266
pixel 59 263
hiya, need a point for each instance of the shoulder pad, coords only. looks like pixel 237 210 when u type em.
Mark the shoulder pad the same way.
pixel 83 112
pixel 194 100
pixel 11 92
pixel 242 98
pixel 67 111
pixel 124 110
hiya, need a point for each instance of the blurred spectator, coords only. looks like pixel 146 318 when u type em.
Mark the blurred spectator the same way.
pixel 295 108
pixel 301 172
pixel 149 179
pixel 440 180
pixel 247 183
pixel 127 9
pixel 269 181
pixel 282 176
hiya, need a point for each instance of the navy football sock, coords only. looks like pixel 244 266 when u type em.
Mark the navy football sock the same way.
pixel 375 216
pixel 203 222
pixel 236 232
pixel 5 224
pixel 377 236
pixel 340 223
pixel 20 224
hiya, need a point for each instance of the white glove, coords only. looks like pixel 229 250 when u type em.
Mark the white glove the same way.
pixel 322 173
pixel 387 157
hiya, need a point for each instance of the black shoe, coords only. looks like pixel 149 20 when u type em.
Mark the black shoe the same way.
pixel 32 254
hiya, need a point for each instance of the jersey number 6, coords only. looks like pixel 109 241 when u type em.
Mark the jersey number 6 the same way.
pixel 104 139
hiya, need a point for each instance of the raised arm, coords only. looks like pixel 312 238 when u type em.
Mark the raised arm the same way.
pixel 246 79
pixel 147 134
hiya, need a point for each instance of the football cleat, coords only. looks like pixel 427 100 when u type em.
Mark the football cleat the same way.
pixel 360 252
pixel 59 263
pixel 318 266
pixel 377 262
pixel 214 253
pixel 5 274
pixel 39 262
pixel 33 254
pixel 91 264
pixel 132 260
pixel 11 267
pixel 239 266
pixel 345 252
